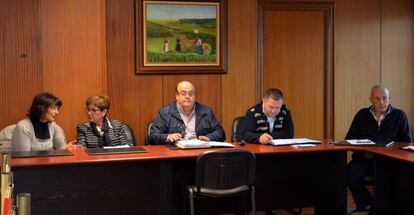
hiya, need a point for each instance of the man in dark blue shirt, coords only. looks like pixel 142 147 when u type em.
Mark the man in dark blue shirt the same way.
pixel 380 123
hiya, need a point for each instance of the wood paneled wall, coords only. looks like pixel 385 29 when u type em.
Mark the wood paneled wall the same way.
pixel 73 56
pixel 397 55
pixel 20 58
pixel 78 48
pixel 357 58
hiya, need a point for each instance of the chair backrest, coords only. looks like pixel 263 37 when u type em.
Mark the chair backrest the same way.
pixel 130 135
pixel 236 129
pixel 225 169
pixel 148 132
pixel 5 137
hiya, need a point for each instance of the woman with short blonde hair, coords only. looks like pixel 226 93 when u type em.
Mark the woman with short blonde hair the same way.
pixel 100 131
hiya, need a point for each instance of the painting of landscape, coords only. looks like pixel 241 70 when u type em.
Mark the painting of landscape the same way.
pixel 181 33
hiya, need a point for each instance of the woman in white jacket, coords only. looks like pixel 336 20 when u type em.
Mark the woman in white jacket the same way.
pixel 38 131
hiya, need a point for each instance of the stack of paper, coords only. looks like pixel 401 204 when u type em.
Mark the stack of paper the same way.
pixel 360 142
pixel 285 142
pixel 187 144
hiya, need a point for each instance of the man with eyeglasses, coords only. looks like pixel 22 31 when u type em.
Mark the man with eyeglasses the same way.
pixel 380 123
pixel 185 119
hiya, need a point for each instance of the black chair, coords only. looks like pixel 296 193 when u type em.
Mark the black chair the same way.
pixel 236 129
pixel 130 135
pixel 148 132
pixel 224 173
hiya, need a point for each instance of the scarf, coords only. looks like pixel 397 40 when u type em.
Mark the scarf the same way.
pixel 103 135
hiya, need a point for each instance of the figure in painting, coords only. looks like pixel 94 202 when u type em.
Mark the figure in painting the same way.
pixel 199 46
pixel 166 46
pixel 178 44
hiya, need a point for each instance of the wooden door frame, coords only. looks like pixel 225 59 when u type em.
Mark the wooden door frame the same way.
pixel 328 9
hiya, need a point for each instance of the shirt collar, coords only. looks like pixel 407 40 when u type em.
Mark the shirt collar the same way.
pixel 109 123
pixel 372 110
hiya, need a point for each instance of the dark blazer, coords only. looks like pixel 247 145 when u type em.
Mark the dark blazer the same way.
pixel 88 139
pixel 255 123
pixel 169 121
pixel 394 127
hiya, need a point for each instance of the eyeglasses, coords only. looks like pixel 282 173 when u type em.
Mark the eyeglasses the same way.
pixel 184 93
pixel 92 110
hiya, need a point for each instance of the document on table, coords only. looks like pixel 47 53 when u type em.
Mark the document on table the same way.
pixel 117 147
pixel 186 144
pixel 295 141
pixel 408 148
pixel 360 142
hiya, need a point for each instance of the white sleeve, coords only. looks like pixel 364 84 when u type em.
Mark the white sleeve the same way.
pixel 20 139
pixel 59 139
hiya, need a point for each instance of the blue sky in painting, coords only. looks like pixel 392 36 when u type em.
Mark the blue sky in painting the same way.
pixel 158 11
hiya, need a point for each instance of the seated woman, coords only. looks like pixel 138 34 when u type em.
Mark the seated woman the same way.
pixel 100 131
pixel 39 132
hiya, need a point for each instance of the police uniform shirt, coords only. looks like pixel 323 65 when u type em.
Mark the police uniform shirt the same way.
pixel 256 123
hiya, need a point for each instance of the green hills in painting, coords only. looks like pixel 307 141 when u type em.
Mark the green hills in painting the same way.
pixel 184 31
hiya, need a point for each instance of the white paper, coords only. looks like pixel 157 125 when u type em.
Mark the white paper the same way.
pixel 202 144
pixel 220 144
pixel 116 147
pixel 360 142
pixel 192 144
pixel 284 142
pixel 409 147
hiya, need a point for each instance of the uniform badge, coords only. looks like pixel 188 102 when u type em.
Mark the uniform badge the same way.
pixel 251 110
pixel 279 126
pixel 257 115
pixel 284 112
pixel 262 129
pixel 260 121
pixel 280 118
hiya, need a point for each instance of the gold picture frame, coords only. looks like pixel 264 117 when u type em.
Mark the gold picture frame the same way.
pixel 181 37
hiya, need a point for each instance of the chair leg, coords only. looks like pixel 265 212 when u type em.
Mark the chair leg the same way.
pixel 191 198
pixel 253 200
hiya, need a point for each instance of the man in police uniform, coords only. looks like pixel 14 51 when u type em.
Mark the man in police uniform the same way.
pixel 270 119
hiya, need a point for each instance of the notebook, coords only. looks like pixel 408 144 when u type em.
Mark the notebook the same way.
pixel 63 152
pixel 106 151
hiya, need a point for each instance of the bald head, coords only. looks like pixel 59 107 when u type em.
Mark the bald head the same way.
pixel 185 95
pixel 184 84
pixel 380 98
pixel 379 87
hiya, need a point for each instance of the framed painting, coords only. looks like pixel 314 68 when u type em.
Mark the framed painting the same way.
pixel 181 37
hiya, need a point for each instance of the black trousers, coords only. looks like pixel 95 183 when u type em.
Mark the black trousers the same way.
pixel 357 170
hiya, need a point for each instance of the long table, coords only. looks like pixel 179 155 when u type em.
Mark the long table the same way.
pixel 152 183
pixel 393 180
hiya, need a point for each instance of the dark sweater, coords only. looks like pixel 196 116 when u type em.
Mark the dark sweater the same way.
pixel 394 127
